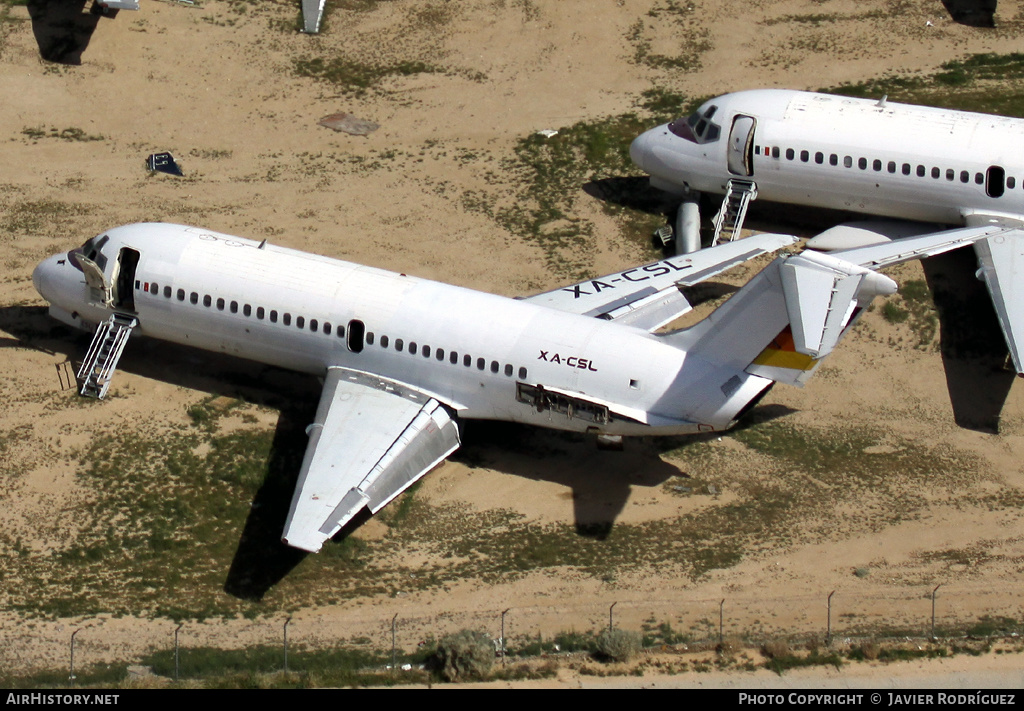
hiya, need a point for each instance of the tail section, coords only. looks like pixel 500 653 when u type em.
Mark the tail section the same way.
pixel 787 318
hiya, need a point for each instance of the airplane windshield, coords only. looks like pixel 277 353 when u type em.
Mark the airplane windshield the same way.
pixel 697 127
pixel 91 250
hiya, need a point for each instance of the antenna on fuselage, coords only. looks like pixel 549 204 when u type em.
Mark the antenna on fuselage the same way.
pixel 262 244
pixel 881 102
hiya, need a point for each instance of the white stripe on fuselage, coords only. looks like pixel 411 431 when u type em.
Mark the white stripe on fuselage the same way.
pixel 621 366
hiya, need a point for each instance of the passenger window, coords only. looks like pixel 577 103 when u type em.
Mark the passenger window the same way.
pixel 327 328
pixel 819 157
pixel 247 310
pixel 313 325
pixel 207 300
pixel 369 338
pixel 920 171
pixel 426 351
pixel 862 163
pixel 965 177
pixel 453 358
pixel 775 151
pixel 891 166
pixel 805 156
pixel 790 154
pixel 181 294
pixel 508 370
pixel 412 347
pixel 1011 183
pixel 876 165
pixel 439 354
pixel 847 162
pixel 494 366
pixel 979 178
pixel 833 159
pixel 193 298
pixel 167 292
pixel 399 344
pixel 481 364
pixel 467 360
pixel 906 168
pixel 234 307
pixel 273 316
pixel 356 329
pixel 154 289
pixel 260 312
pixel 950 174
pixel 936 172
pixel 300 322
pixel 220 304
pixel 384 340
pixel 286 319
pixel 522 373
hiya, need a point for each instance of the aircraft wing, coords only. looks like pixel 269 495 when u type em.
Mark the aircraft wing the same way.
pixel 648 297
pixel 1000 253
pixel 878 256
pixel 372 438
pixel 1001 260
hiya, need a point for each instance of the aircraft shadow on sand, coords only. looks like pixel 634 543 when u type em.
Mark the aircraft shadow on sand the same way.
pixel 599 481
pixel 62 28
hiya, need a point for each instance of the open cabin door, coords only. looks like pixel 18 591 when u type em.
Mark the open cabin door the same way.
pixel 124 279
pixel 741 145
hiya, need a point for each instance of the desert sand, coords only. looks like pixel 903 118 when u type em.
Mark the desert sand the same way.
pixel 215 84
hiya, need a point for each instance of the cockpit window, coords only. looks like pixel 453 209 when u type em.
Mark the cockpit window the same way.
pixel 697 127
pixel 91 250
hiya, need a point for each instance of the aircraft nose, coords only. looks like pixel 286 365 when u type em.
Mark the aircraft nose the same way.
pixel 45 277
pixel 640 148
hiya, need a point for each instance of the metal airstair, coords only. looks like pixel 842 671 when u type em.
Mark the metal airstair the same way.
pixel 729 220
pixel 106 348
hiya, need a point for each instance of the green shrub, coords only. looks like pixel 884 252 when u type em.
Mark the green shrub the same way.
pixel 618 645
pixel 465 654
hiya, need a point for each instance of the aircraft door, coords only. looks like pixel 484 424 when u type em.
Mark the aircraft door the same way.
pixel 123 277
pixel 99 287
pixel 741 145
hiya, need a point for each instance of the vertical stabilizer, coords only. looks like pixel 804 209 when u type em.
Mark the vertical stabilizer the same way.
pixel 788 317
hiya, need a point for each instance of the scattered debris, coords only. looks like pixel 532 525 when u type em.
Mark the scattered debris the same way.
pixel 349 124
pixel 547 132
pixel 163 163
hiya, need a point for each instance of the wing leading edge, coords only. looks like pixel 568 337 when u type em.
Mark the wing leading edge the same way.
pixel 371 439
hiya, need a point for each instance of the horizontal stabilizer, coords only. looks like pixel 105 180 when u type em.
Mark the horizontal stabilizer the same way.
pixel 648 297
pixel 821 293
pixel 903 250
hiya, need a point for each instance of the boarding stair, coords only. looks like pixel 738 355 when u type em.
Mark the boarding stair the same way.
pixel 729 220
pixel 106 348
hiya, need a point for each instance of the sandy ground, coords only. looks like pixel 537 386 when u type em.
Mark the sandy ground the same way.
pixel 214 84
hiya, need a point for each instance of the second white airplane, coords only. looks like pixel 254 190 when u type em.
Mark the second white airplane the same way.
pixel 915 163
pixel 404 358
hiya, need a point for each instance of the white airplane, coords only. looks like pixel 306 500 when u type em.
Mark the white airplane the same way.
pixel 915 163
pixel 403 358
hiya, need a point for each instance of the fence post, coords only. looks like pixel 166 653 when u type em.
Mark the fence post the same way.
pixel 71 675
pixel 503 613
pixel 721 620
pixel 828 629
pixel 394 653
pixel 610 615
pixel 286 643
pixel 176 630
pixel 934 590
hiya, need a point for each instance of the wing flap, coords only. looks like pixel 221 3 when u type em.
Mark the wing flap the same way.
pixel 648 297
pixel 371 439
